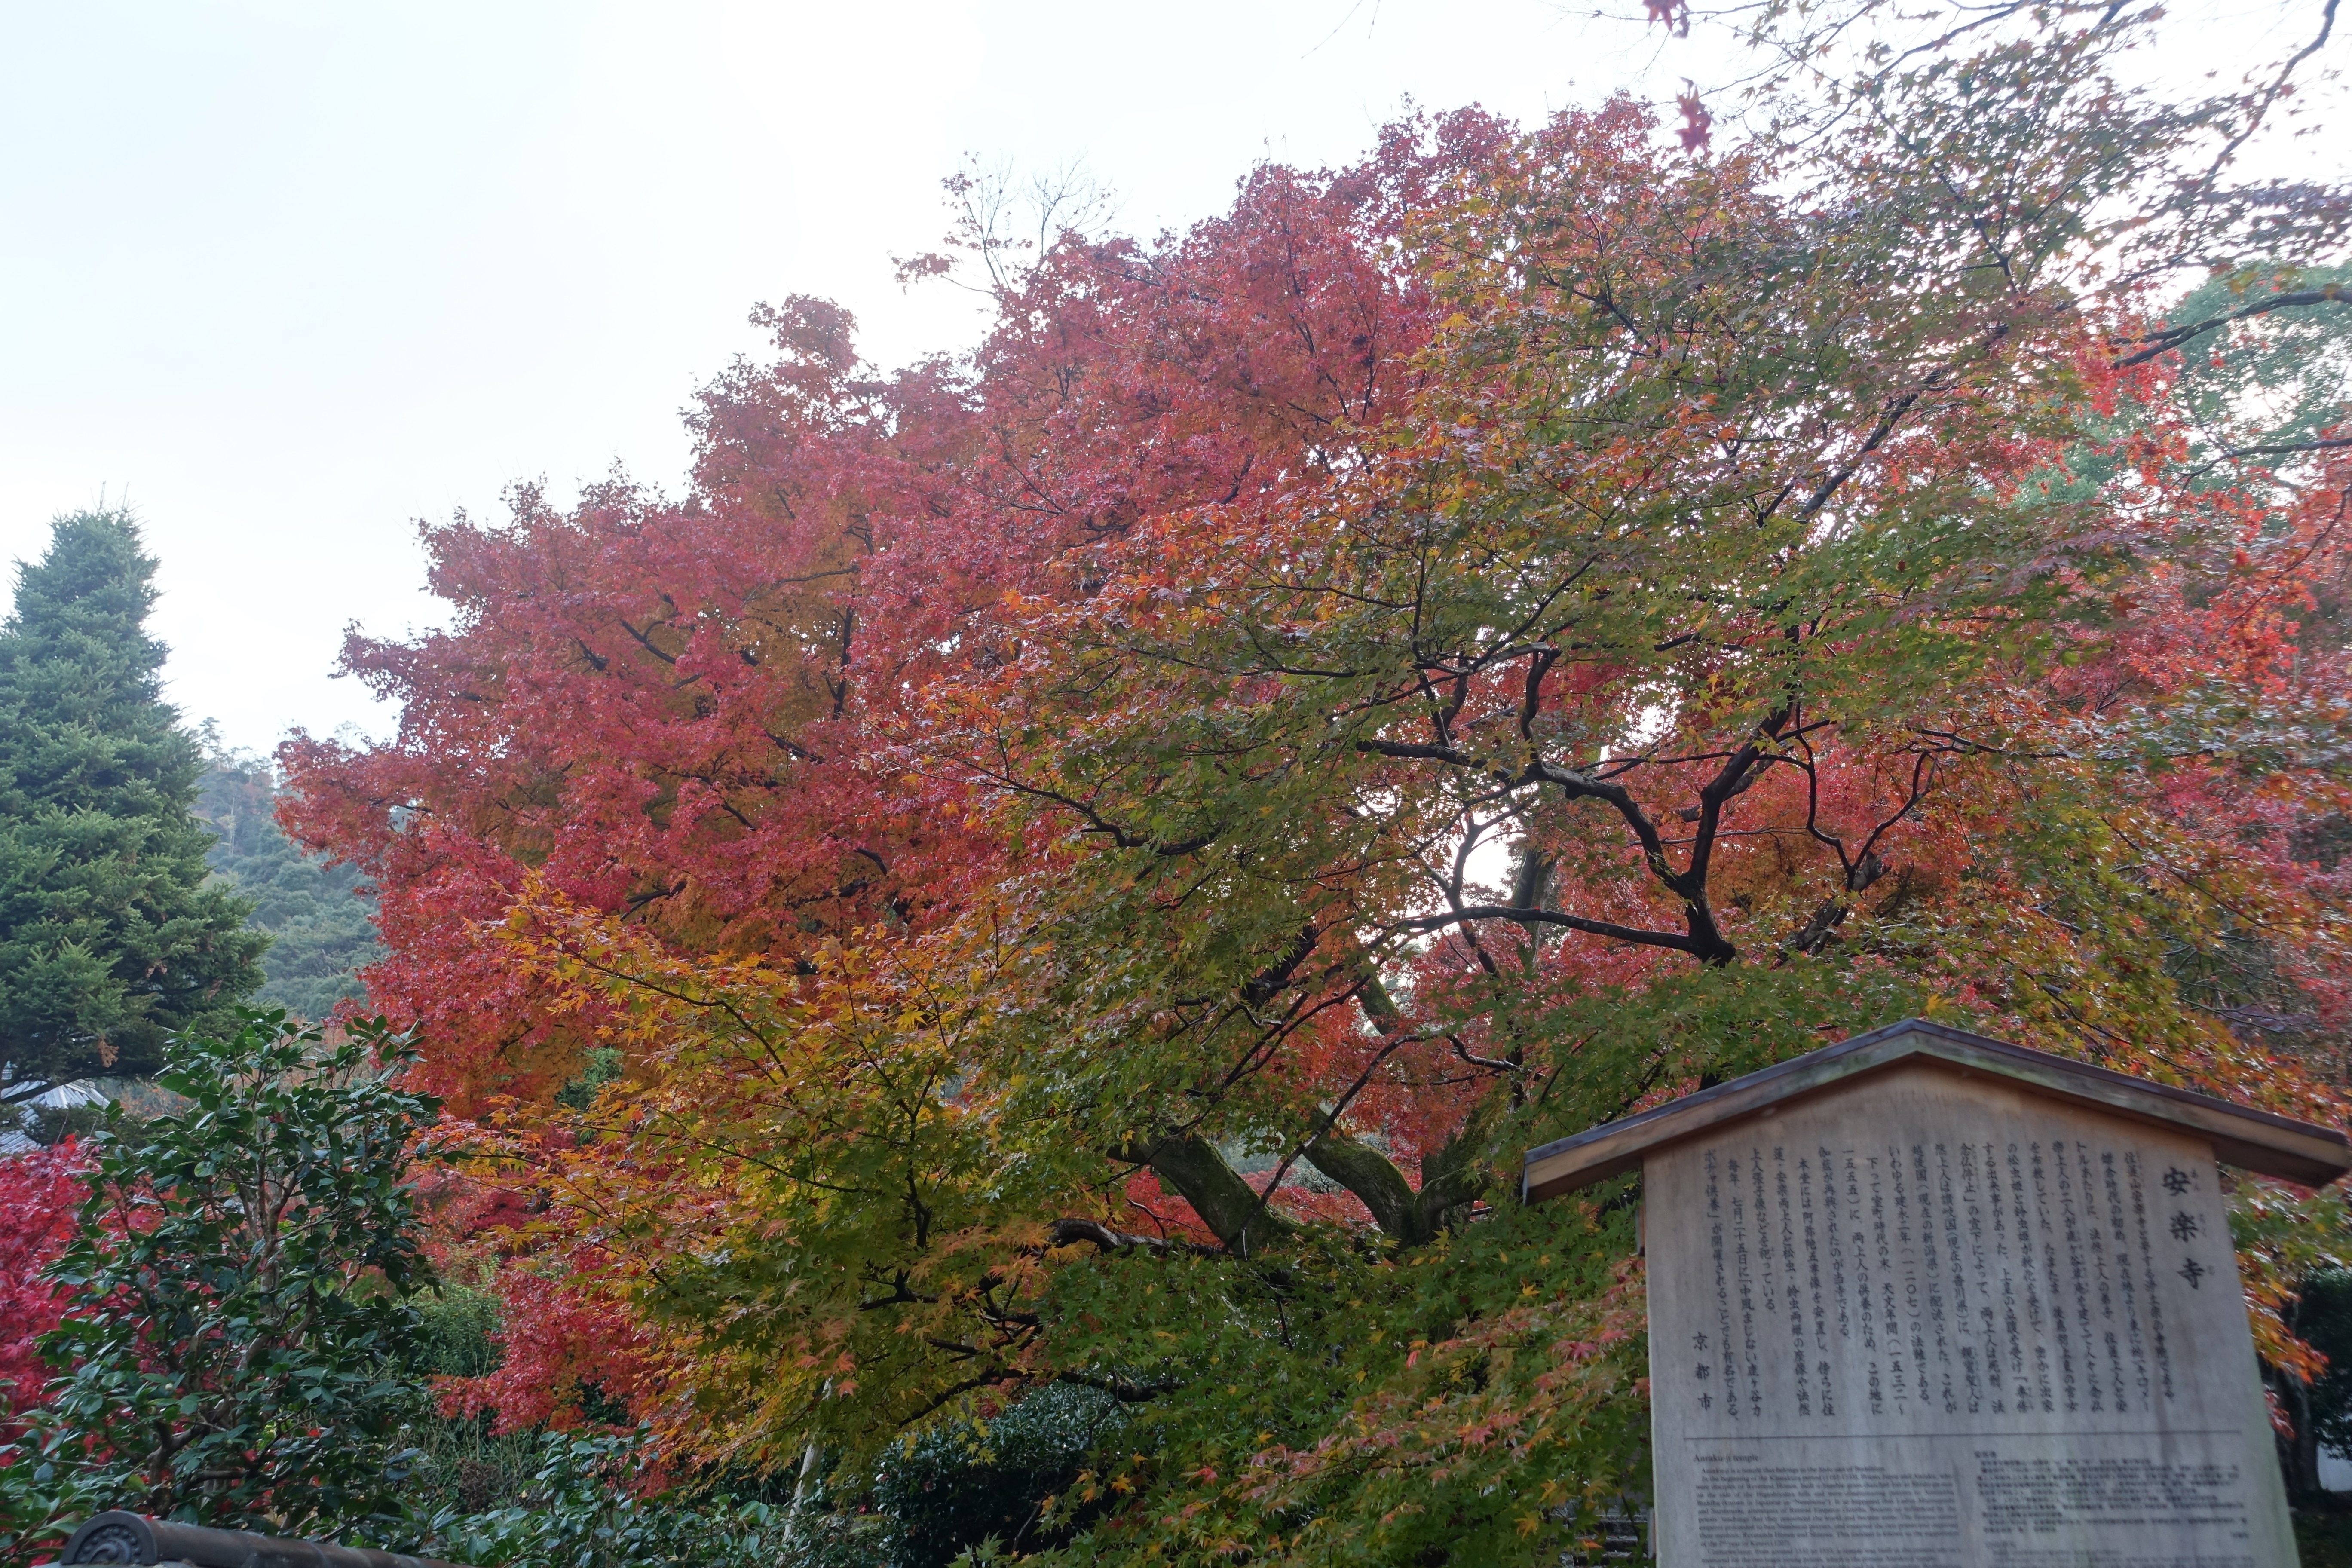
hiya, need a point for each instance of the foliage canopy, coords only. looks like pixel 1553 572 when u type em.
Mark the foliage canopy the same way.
pixel 1095 859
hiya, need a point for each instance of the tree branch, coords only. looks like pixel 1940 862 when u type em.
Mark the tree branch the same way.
pixel 2172 338
pixel 1070 1231
pixel 1226 1204
pixel 1638 935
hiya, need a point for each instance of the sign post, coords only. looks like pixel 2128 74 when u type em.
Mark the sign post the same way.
pixel 1927 1299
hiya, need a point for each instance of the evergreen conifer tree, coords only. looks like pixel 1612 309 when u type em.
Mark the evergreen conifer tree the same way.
pixel 110 939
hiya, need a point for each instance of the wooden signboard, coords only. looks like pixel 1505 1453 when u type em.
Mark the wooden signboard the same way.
pixel 1926 1300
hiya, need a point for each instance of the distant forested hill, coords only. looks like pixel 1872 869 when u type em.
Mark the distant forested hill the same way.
pixel 317 915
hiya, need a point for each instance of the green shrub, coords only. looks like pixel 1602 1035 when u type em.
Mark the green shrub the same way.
pixel 591 1503
pixel 962 1484
pixel 455 1338
pixel 237 1349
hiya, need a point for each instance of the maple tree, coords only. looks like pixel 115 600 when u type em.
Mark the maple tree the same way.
pixel 1097 857
pixel 681 714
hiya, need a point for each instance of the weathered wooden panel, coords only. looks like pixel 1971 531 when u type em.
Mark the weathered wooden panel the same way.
pixel 1927 1322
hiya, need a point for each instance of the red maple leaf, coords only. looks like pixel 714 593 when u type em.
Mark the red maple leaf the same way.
pixel 1696 120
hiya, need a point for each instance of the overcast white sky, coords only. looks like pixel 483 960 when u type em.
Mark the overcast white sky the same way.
pixel 289 276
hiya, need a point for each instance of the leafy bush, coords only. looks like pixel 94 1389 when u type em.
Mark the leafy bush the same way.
pixel 250 1345
pixel 596 1499
pixel 962 1484
pixel 45 1493
pixel 237 1347
pixel 464 1467
pixel 594 1502
pixel 456 1325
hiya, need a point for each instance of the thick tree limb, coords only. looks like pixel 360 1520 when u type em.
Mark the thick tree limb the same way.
pixel 1069 1232
pixel 1373 1177
pixel 1815 933
pixel 1126 1390
pixel 1450 1176
pixel 1228 1205
pixel 1267 981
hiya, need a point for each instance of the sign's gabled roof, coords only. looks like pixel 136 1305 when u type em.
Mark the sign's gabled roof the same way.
pixel 2252 1139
